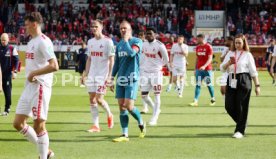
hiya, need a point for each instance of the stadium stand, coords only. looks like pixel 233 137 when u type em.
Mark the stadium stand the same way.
pixel 68 22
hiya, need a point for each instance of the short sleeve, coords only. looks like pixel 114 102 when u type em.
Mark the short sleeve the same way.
pixel 173 49
pixel 210 50
pixel 274 51
pixel 110 48
pixel 47 50
pixel 186 49
pixel 14 52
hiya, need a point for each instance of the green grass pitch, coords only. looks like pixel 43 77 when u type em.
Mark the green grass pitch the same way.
pixel 183 131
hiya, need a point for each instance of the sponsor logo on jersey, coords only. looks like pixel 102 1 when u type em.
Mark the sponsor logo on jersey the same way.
pixel 122 53
pixel 29 55
pixel 178 53
pixel 150 55
pixel 97 54
pixel 201 53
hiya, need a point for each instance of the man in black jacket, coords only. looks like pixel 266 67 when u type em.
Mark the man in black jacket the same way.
pixel 9 67
pixel 81 60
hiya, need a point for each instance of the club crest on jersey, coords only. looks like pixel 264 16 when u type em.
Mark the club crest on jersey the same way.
pixel 101 46
pixel 122 53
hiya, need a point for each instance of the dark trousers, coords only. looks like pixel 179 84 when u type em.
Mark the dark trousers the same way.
pixel 7 89
pixel 237 100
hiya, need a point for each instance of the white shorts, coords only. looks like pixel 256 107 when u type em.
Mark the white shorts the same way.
pixel 179 71
pixel 98 87
pixel 223 79
pixel 151 81
pixel 34 101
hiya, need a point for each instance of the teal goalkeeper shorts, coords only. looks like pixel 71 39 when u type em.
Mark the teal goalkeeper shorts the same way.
pixel 203 75
pixel 128 90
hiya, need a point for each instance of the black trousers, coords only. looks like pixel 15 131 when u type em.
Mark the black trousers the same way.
pixel 237 100
pixel 7 89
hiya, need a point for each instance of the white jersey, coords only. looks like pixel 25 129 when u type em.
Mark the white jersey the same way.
pixel 154 56
pixel 179 60
pixel 225 52
pixel 274 51
pixel 39 51
pixel 99 51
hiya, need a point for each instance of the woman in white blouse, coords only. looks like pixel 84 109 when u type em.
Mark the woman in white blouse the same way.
pixel 240 65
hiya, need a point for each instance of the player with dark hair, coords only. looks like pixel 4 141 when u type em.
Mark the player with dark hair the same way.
pixel 34 102
pixel 203 70
pixel 154 56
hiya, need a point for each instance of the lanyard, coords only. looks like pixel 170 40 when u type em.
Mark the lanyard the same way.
pixel 236 63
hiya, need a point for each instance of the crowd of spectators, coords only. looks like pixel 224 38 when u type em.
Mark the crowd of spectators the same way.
pixel 66 24
pixel 257 21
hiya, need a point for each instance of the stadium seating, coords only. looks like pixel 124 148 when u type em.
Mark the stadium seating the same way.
pixel 71 24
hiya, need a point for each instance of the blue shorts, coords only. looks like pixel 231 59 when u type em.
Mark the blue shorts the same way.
pixel 203 75
pixel 128 91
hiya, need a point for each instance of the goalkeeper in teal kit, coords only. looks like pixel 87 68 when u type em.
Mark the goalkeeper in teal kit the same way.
pixel 126 68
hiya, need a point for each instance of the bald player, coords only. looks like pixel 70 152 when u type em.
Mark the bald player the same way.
pixel 9 67
pixel 126 69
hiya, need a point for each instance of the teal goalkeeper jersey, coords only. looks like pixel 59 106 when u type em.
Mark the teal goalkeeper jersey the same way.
pixel 126 65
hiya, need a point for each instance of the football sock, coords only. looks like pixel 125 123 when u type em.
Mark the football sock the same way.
pixel 106 108
pixel 136 115
pixel 124 121
pixel 95 114
pixel 30 134
pixel 43 145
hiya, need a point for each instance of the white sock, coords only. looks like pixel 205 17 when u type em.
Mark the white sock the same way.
pixel 106 108
pixel 170 86
pixel 29 133
pixel 147 99
pixel 145 105
pixel 95 114
pixel 177 84
pixel 157 104
pixel 181 86
pixel 43 145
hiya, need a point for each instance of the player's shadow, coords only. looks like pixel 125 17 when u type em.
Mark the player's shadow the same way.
pixel 56 140
pixel 213 135
pixel 213 126
pixel 8 131
pixel 62 111
pixel 181 113
pixel 68 123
